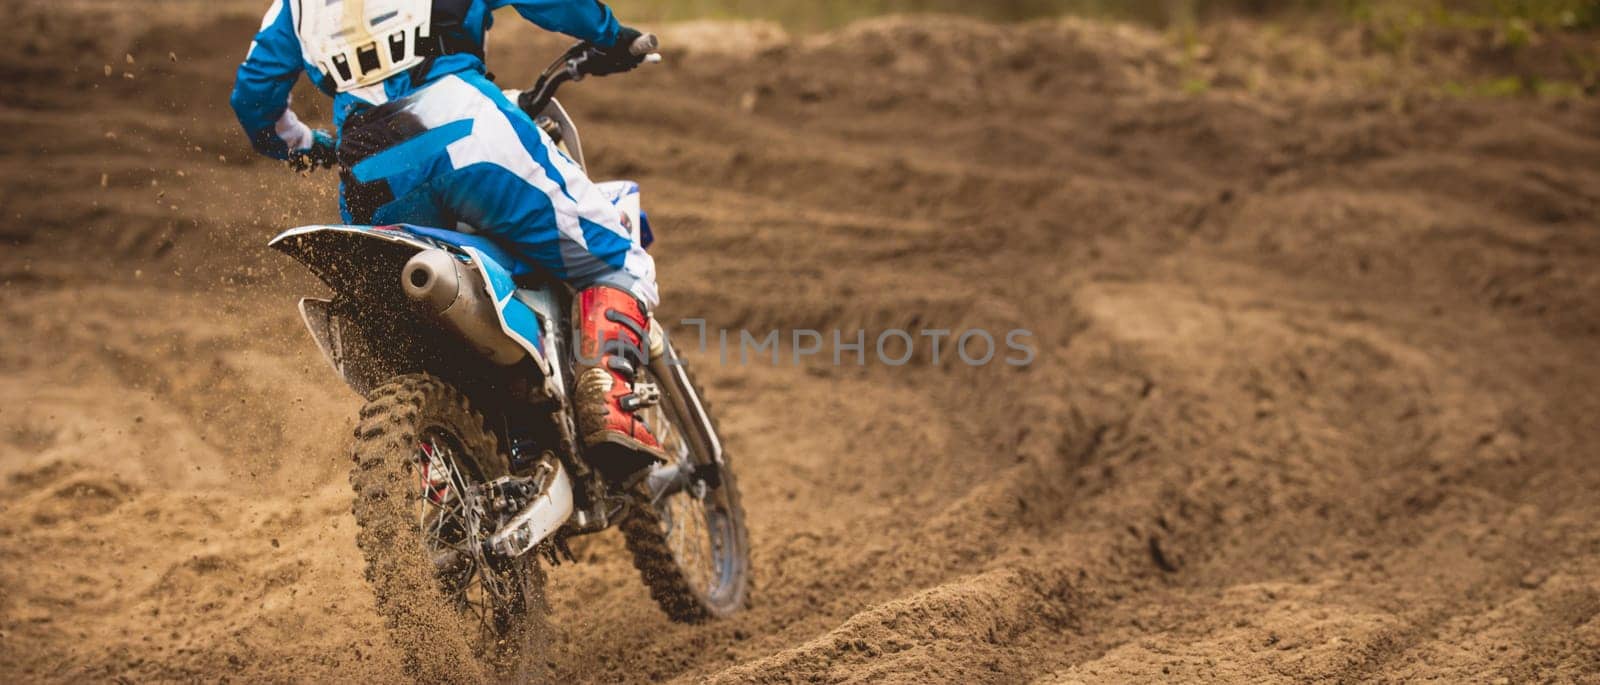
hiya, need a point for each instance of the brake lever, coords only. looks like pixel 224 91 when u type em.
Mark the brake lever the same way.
pixel 569 67
pixel 574 66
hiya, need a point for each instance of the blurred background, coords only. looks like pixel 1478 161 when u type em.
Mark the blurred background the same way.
pixel 1314 286
pixel 1522 14
pixel 1397 26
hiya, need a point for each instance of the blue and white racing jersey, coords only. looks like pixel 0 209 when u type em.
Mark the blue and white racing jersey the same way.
pixel 278 56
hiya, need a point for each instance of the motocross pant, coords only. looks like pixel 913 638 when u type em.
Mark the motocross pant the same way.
pixel 458 154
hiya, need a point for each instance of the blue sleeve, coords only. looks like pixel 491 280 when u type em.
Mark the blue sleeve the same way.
pixel 588 20
pixel 261 87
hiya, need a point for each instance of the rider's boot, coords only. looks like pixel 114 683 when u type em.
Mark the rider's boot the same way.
pixel 613 346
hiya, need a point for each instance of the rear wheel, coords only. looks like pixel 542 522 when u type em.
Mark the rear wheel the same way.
pixel 691 547
pixel 420 452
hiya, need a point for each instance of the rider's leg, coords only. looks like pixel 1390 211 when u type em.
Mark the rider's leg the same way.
pixel 613 345
pixel 482 163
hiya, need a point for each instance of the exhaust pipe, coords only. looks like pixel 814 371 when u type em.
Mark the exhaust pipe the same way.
pixel 455 295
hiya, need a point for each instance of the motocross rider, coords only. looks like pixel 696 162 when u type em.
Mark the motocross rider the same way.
pixel 425 138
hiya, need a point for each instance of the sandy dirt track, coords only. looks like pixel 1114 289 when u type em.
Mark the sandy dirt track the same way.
pixel 1315 393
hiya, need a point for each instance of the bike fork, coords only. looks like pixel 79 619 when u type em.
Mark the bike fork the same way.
pixel 671 373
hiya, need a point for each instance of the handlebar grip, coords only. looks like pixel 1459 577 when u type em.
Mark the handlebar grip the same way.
pixel 644 45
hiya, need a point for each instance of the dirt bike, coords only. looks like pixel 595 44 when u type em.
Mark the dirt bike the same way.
pixel 467 468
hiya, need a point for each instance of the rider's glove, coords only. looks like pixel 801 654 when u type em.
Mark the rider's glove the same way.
pixel 322 154
pixel 617 58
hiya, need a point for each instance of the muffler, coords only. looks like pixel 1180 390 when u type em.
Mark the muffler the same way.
pixel 455 294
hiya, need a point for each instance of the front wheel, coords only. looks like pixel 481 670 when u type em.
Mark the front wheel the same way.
pixel 691 547
pixel 420 455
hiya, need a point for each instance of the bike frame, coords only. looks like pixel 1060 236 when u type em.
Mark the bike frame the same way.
pixel 371 332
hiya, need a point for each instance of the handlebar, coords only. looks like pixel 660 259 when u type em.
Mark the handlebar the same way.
pixel 570 67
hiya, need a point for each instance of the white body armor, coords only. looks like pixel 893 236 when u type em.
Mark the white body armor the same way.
pixel 358 43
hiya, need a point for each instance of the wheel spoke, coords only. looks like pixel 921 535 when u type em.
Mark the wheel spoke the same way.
pixel 451 518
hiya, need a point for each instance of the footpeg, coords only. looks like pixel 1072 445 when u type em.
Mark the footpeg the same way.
pixel 666 481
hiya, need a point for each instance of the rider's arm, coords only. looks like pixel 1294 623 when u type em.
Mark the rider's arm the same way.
pixel 588 20
pixel 261 87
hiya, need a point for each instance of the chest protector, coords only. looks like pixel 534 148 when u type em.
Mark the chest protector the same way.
pixel 357 43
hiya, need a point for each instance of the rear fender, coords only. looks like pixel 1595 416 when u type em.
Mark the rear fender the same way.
pixel 364 263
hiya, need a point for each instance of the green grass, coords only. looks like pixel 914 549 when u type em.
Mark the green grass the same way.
pixel 822 14
pixel 1516 16
pixel 1399 27
pixel 1514 86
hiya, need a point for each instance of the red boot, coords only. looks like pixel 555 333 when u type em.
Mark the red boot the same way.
pixel 613 345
